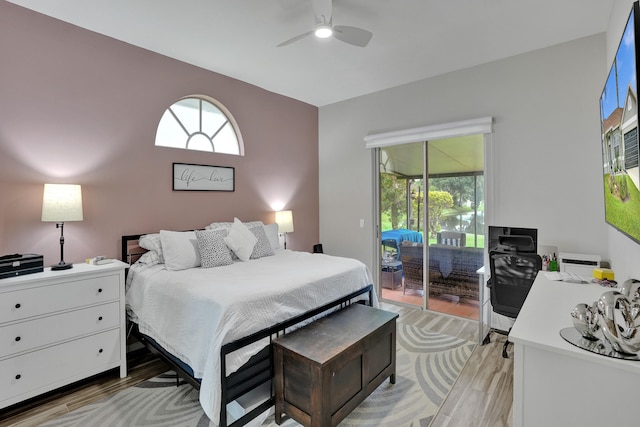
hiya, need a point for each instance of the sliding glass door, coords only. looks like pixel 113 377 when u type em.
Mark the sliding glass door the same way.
pixel 431 216
pixel 402 224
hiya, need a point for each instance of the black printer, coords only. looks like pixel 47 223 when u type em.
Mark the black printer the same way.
pixel 20 264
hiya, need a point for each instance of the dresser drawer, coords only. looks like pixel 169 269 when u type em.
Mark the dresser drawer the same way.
pixel 43 370
pixel 37 301
pixel 31 334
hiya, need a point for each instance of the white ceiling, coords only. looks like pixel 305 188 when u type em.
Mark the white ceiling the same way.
pixel 412 39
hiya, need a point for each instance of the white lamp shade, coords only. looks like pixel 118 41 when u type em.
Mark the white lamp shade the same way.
pixel 285 221
pixel 62 203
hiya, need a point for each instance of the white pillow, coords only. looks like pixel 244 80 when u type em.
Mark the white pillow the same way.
pixel 213 251
pixel 227 225
pixel 151 242
pixel 272 234
pixel 180 249
pixel 219 226
pixel 240 240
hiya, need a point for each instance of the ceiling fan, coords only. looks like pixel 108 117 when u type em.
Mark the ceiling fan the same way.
pixel 324 28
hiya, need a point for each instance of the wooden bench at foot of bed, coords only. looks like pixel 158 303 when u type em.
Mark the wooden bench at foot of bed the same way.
pixel 326 369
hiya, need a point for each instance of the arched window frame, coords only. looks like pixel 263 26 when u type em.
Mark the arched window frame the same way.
pixel 189 134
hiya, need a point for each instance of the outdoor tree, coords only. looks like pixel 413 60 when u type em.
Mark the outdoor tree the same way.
pixel 392 193
pixel 438 202
pixel 461 188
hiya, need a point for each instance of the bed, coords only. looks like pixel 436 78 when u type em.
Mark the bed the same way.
pixel 214 325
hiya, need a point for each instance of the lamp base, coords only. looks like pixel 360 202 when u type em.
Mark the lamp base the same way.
pixel 61 266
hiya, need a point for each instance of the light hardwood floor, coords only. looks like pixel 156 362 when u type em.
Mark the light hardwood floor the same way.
pixel 482 396
pixel 67 399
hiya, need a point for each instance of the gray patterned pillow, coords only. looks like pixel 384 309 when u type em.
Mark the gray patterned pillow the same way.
pixel 263 246
pixel 149 258
pixel 213 251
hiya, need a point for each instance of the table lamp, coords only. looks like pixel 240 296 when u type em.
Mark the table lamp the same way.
pixel 61 203
pixel 284 219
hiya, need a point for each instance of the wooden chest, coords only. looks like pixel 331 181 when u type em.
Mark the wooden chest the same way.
pixel 327 368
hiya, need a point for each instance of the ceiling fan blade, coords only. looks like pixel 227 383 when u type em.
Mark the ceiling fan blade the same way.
pixel 295 39
pixel 352 35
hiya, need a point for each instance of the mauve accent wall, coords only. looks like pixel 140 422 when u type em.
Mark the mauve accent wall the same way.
pixel 78 107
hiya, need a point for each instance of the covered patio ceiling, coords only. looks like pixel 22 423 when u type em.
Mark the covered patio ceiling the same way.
pixel 451 156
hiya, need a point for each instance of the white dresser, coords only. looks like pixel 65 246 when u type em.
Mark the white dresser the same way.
pixel 558 384
pixel 58 327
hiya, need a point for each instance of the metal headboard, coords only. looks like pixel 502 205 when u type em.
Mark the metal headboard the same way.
pixel 130 251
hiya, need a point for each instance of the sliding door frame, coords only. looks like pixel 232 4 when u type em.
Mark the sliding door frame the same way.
pixel 481 126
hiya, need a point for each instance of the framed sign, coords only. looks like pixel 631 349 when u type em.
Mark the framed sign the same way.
pixel 187 177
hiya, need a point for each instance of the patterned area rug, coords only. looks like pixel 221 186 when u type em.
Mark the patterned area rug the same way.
pixel 427 366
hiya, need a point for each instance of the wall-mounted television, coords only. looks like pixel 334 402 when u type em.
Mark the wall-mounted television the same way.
pixel 496 234
pixel 619 126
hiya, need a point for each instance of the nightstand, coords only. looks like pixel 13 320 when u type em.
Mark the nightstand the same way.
pixel 58 327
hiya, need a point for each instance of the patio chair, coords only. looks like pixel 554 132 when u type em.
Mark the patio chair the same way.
pixel 411 257
pixel 452 238
pixel 390 246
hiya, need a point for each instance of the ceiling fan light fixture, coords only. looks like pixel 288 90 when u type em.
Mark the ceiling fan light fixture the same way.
pixel 323 27
pixel 323 31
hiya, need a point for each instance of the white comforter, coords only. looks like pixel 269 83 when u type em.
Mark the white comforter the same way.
pixel 193 312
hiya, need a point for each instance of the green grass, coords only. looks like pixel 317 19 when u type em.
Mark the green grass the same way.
pixel 624 215
pixel 470 236
pixel 432 241
pixel 385 223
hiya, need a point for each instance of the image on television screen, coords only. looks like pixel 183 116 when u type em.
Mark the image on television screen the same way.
pixel 619 124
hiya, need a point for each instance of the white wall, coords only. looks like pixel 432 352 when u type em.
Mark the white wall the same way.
pixel 623 251
pixel 546 145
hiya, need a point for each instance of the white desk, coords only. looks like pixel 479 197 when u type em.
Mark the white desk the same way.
pixel 484 315
pixel 556 383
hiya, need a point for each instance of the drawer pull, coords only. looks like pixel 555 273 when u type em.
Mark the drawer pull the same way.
pixel 99 290
pixel 18 339
pixel 100 351
pixel 100 318
pixel 18 376
pixel 18 305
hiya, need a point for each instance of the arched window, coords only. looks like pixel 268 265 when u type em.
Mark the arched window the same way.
pixel 198 122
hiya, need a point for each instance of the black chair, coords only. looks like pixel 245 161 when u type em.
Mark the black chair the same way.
pixel 391 246
pixel 512 274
